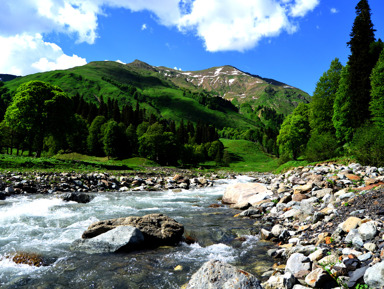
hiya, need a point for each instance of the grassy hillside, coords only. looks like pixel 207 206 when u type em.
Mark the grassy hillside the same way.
pixel 247 156
pixel 154 93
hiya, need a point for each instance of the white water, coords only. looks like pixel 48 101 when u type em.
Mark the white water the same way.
pixel 47 225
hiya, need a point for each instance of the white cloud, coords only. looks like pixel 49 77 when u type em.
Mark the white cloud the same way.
pixel 302 7
pixel 236 25
pixel 222 24
pixel 25 54
pixel 334 11
pixel 144 27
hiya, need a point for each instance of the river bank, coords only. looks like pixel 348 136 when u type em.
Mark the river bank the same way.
pixel 327 222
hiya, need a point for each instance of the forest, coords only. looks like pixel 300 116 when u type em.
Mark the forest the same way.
pixel 345 116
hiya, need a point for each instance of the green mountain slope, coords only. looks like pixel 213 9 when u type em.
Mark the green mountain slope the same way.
pixel 195 96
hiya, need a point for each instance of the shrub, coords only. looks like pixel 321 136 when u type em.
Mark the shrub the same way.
pixel 321 147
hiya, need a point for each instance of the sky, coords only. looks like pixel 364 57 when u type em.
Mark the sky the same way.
pixel 292 41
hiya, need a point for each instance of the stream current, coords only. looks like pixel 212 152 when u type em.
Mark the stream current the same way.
pixel 46 225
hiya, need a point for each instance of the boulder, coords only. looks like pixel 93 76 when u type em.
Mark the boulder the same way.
pixel 246 192
pixel 368 230
pixel 350 224
pixel 76 197
pixel 317 278
pixel 157 229
pixel 121 238
pixel 215 274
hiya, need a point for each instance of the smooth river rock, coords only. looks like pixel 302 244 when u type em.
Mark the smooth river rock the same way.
pixel 125 238
pixel 247 192
pixel 157 229
pixel 215 274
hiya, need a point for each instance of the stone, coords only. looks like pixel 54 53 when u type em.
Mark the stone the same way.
pixel 370 246
pixel 298 286
pixel 288 280
pixel 302 189
pixel 317 255
pixel 3 196
pixel 350 224
pixel 30 259
pixel 317 278
pixel 241 206
pixel 158 229
pixel 298 197
pixel 265 234
pixel 297 263
pixel 9 190
pixel 274 282
pixel 121 238
pixel 277 230
pixel 246 192
pixel 323 192
pixel 215 274
pixel 290 214
pixel 327 260
pixel 77 197
pixel 374 276
pixel 353 177
pixel 368 230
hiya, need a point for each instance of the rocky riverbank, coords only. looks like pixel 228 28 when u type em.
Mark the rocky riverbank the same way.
pixel 327 222
pixel 56 183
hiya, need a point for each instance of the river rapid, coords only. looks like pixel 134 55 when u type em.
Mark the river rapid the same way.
pixel 46 225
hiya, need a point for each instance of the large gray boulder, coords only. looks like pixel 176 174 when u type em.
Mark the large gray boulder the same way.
pixel 246 192
pixel 215 274
pixel 157 229
pixel 122 238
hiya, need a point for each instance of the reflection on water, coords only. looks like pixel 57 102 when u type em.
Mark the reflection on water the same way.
pixel 46 225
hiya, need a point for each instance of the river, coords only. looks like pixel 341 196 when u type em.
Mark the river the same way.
pixel 46 225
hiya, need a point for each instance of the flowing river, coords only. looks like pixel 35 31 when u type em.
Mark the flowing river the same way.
pixel 46 225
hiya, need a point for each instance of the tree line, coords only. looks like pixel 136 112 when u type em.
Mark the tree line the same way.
pixel 346 114
pixel 40 117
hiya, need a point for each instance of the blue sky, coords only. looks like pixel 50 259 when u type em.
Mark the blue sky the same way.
pixel 293 41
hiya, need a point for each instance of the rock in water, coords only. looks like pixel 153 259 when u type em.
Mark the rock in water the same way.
pixel 121 238
pixel 157 229
pixel 76 197
pixel 247 192
pixel 215 274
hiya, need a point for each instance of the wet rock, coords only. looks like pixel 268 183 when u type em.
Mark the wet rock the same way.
pixel 218 275
pixel 121 238
pixel 30 259
pixel 77 197
pixel 158 229
pixel 3 196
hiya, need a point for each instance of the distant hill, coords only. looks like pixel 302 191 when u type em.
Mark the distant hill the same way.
pixel 7 77
pixel 188 95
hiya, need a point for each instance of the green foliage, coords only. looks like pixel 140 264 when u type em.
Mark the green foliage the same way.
pixel 321 107
pixel 95 136
pixel 321 146
pixel 39 110
pixel 376 105
pixel 113 139
pixel 342 107
pixel 368 145
pixel 294 133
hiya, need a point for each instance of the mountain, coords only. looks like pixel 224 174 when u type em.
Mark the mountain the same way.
pixel 7 77
pixel 213 95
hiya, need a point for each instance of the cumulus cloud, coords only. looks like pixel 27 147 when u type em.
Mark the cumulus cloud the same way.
pixel 222 24
pixel 25 54
pixel 144 26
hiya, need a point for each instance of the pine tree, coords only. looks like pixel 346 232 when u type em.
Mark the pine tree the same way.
pixel 376 105
pixel 361 61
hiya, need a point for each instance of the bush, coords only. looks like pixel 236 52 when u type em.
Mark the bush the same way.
pixel 368 145
pixel 321 147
